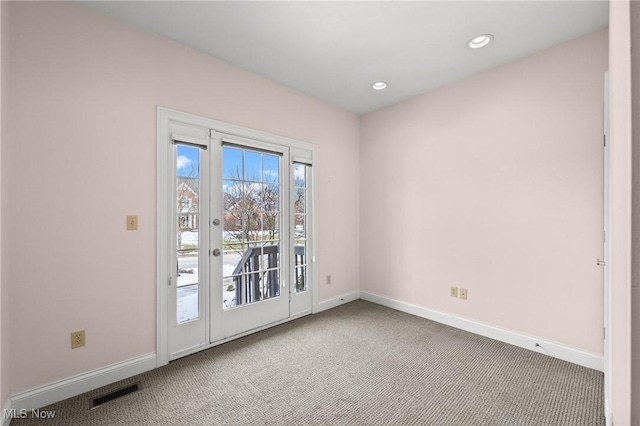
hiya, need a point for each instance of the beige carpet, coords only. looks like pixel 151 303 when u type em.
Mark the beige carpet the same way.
pixel 358 364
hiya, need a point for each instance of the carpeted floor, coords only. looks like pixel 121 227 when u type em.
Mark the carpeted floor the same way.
pixel 358 364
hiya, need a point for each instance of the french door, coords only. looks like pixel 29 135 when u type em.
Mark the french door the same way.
pixel 234 229
pixel 250 285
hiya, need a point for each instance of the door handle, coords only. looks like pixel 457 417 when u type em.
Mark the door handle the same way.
pixel 600 262
pixel 216 252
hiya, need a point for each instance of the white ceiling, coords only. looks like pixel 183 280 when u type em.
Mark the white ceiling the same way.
pixel 335 50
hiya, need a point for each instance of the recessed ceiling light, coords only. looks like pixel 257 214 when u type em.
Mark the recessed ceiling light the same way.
pixel 480 41
pixel 379 85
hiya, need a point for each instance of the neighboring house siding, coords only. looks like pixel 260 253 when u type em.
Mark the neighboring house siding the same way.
pixel 187 199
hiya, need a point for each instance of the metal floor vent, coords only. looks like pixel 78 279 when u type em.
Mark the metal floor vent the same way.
pixel 115 394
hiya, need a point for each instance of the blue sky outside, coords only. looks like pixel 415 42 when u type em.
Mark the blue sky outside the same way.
pixel 187 161
pixel 237 164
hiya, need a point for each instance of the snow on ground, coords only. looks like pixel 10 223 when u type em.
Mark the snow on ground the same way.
pixel 189 237
pixel 187 308
pixel 187 301
pixel 187 291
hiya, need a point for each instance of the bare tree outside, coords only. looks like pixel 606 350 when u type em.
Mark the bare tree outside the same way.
pixel 251 212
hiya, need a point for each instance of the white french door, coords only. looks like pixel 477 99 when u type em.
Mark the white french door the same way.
pixel 250 286
pixel 235 246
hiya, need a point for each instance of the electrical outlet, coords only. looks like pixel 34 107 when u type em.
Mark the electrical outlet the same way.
pixel 132 222
pixel 77 339
pixel 463 293
pixel 454 291
pixel 328 279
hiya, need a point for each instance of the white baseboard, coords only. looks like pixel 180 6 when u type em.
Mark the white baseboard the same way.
pixel 75 385
pixel 337 301
pixel 556 350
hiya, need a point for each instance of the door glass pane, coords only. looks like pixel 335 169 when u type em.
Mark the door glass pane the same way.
pixel 252 166
pixel 188 226
pixel 270 227
pixel 232 168
pixel 271 170
pixel 300 173
pixel 251 255
pixel 301 281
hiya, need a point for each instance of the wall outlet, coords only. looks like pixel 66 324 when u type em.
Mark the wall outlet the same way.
pixel 454 291
pixel 77 339
pixel 132 222
pixel 328 279
pixel 463 293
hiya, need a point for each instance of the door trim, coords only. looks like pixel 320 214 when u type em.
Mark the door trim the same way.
pixel 165 116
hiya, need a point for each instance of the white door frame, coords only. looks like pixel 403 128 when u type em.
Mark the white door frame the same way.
pixel 304 151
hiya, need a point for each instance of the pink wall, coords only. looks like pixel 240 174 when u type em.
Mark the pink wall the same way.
pixel 620 78
pixel 494 184
pixel 489 184
pixel 635 290
pixel 82 155
pixel 4 300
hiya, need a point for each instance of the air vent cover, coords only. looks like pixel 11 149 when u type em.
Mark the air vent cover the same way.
pixel 115 394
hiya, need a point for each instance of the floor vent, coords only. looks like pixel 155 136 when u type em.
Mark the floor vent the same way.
pixel 113 395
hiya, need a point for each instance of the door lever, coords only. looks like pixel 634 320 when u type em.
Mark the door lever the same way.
pixel 600 262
